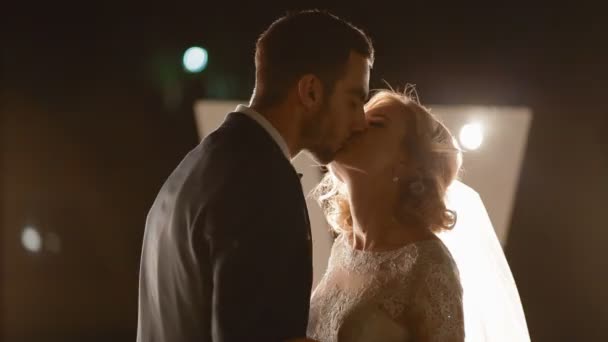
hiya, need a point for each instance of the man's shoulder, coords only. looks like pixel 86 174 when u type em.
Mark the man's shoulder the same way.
pixel 239 139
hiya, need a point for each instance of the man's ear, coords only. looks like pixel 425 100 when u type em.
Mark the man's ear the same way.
pixel 310 91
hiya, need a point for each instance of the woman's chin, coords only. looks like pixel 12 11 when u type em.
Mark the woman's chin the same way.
pixel 346 162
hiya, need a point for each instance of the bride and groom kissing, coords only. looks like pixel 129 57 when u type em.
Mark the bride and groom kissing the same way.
pixel 227 249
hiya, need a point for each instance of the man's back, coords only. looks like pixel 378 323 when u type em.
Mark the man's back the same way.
pixel 226 252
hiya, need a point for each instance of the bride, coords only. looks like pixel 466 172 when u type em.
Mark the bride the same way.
pixel 390 276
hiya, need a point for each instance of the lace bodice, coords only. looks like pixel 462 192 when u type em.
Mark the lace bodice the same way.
pixel 411 292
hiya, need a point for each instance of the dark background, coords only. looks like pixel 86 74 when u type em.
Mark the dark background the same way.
pixel 96 112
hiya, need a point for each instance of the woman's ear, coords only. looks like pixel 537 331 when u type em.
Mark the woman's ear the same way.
pixel 310 91
pixel 406 170
pixel 399 171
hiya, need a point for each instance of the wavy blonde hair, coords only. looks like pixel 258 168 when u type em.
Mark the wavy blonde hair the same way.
pixel 436 158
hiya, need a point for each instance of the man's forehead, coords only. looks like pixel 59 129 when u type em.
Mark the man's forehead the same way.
pixel 356 78
pixel 359 64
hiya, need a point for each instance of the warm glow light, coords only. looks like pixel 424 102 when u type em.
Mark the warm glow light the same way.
pixel 471 136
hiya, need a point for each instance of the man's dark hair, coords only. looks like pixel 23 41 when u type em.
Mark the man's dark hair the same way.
pixel 314 42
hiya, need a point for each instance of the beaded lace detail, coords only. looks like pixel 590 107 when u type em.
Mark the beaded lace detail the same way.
pixel 397 295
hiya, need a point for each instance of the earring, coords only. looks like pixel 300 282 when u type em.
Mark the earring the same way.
pixel 417 188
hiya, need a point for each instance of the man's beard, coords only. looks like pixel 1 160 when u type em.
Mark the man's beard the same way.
pixel 323 155
pixel 314 134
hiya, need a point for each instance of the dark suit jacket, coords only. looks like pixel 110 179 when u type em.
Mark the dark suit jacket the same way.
pixel 227 250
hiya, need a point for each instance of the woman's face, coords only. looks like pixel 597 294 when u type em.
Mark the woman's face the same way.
pixel 379 149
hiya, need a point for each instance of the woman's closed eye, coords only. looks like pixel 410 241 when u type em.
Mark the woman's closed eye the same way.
pixel 376 123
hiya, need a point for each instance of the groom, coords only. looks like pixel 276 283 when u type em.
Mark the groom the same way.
pixel 227 248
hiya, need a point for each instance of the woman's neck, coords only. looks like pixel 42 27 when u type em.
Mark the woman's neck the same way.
pixel 375 224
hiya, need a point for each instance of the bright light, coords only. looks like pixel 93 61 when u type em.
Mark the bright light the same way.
pixel 195 59
pixel 471 136
pixel 31 240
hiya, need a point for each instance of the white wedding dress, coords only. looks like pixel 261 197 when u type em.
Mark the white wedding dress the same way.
pixel 423 289
pixel 388 296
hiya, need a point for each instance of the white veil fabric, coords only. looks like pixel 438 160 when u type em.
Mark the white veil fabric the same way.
pixel 492 307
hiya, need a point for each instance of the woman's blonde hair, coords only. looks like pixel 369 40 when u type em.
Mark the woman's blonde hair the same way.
pixel 434 156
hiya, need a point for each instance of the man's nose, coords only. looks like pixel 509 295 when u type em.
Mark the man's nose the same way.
pixel 360 123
